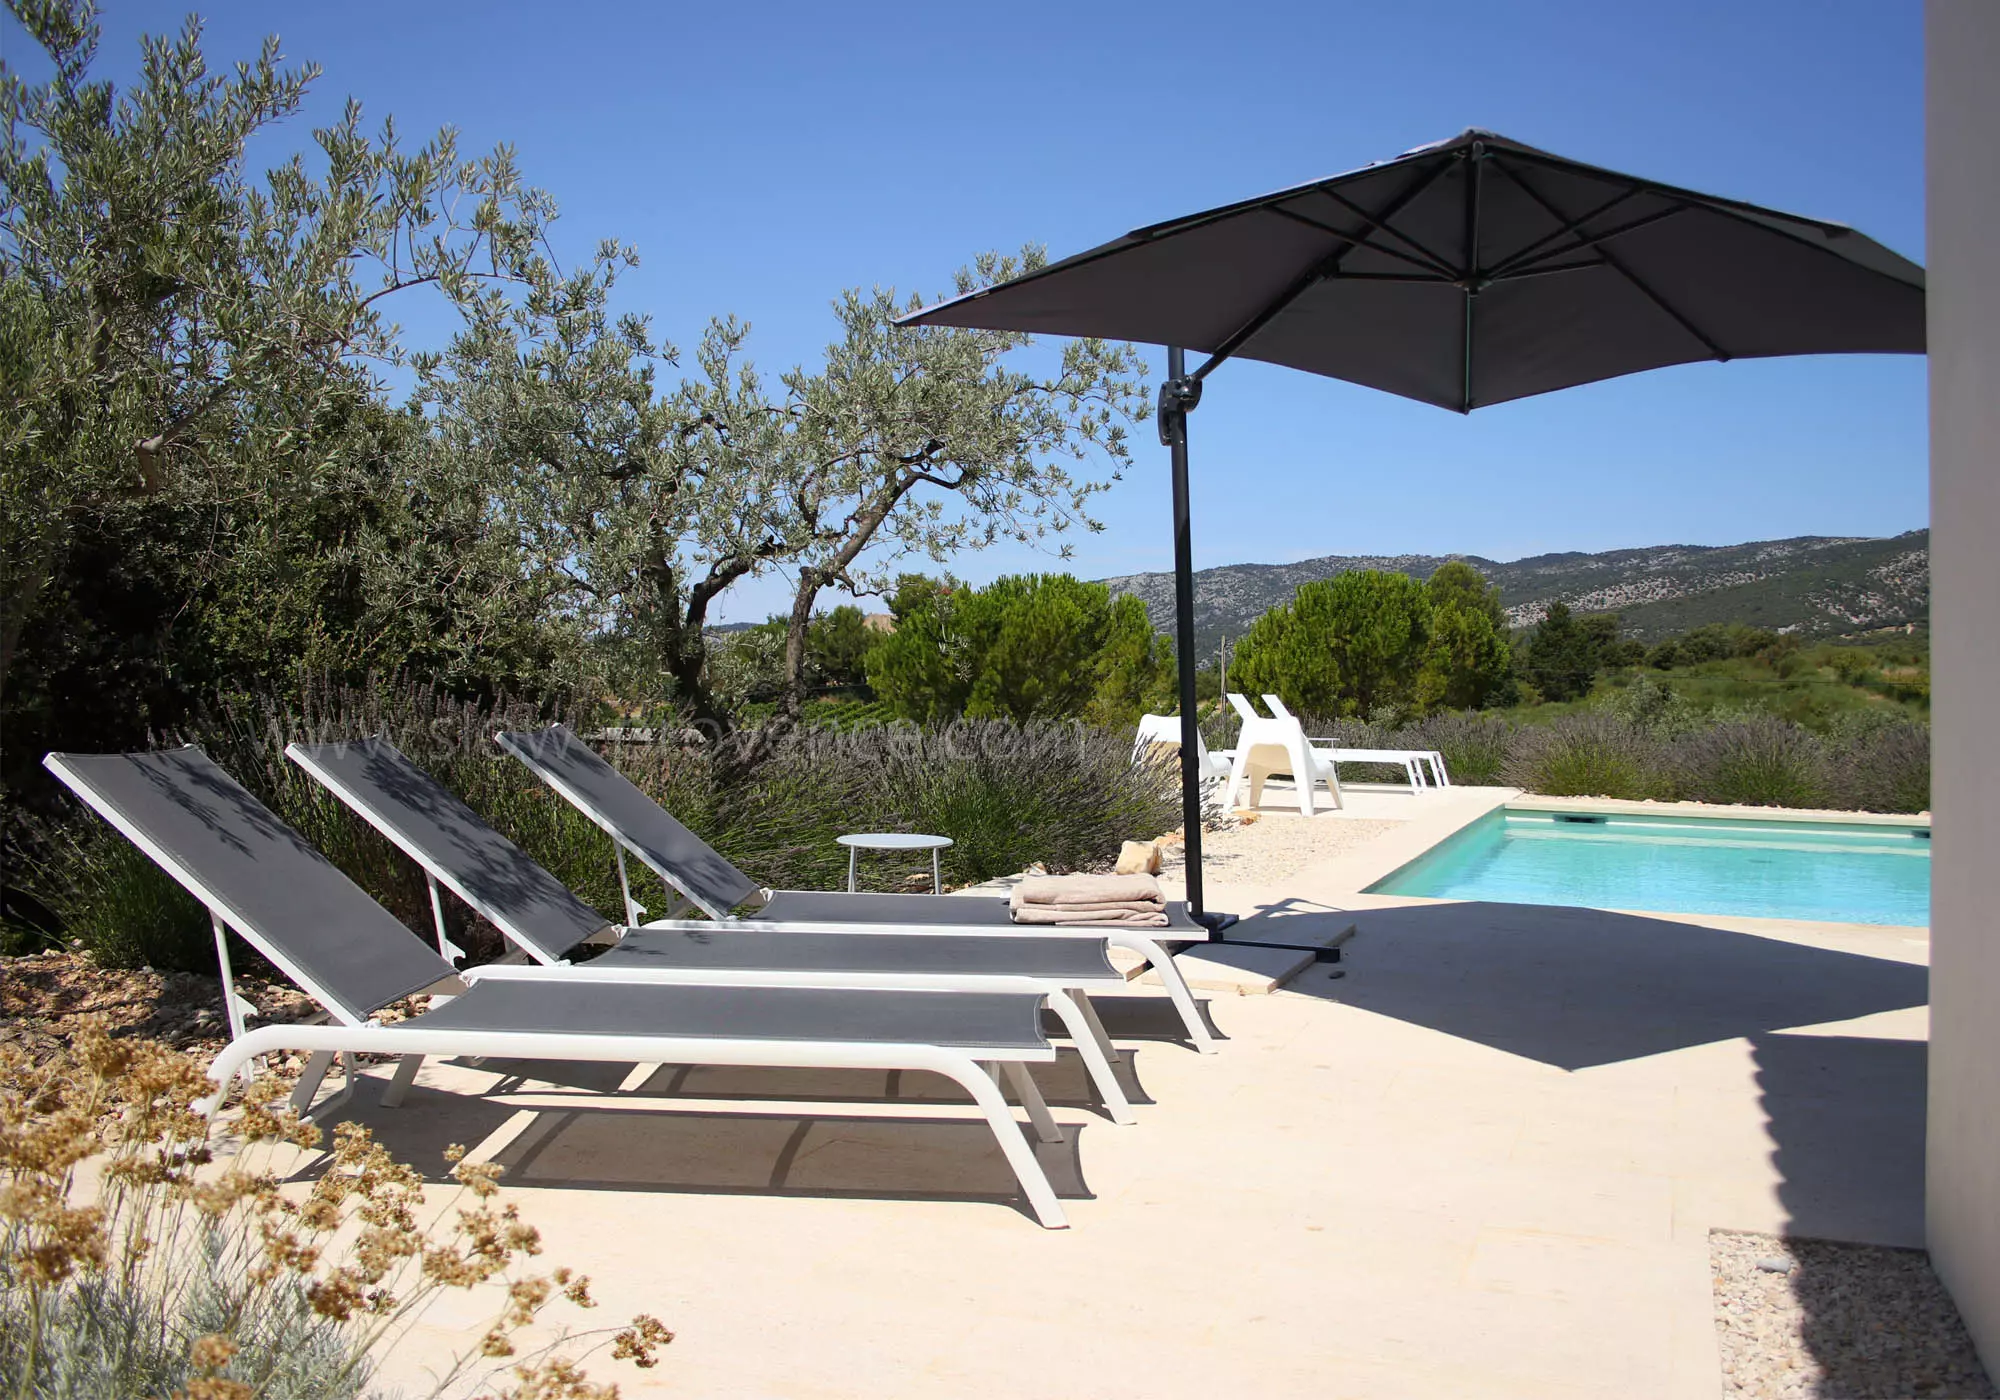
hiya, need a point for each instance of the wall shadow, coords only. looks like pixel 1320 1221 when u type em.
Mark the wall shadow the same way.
pixel 1580 987
pixel 1847 1116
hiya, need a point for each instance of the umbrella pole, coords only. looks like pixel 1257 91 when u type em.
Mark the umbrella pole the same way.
pixel 1177 395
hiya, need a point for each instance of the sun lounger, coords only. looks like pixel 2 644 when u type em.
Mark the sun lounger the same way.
pixel 706 880
pixel 259 877
pixel 1414 762
pixel 542 918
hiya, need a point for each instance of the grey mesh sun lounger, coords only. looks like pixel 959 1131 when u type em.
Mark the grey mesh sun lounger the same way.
pixel 259 877
pixel 543 919
pixel 705 879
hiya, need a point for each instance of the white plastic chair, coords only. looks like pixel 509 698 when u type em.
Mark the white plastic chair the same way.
pixel 1414 761
pixel 1272 748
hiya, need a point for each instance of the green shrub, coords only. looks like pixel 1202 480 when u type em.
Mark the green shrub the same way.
pixel 1758 762
pixel 1646 704
pixel 1587 755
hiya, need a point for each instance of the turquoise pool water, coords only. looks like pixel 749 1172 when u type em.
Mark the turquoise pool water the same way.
pixel 1859 874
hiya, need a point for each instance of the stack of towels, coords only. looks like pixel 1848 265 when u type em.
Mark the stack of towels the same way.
pixel 1123 901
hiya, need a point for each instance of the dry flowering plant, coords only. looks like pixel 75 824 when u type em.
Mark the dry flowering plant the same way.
pixel 132 1262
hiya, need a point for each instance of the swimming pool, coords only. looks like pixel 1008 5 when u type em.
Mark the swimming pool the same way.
pixel 1846 873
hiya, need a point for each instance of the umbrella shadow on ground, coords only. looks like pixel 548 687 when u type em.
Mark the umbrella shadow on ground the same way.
pixel 638 1142
pixel 1581 987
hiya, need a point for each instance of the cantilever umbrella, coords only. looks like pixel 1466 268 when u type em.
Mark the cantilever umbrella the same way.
pixel 1462 274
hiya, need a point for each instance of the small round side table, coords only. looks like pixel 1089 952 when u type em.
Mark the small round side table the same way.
pixel 895 841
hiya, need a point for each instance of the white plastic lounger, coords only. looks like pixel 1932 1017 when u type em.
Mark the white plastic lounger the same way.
pixel 542 918
pixel 1414 761
pixel 259 877
pixel 705 880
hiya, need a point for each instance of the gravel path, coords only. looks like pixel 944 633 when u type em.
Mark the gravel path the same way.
pixel 1817 1318
pixel 1271 849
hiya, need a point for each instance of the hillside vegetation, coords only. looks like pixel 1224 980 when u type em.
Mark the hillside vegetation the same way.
pixel 1813 586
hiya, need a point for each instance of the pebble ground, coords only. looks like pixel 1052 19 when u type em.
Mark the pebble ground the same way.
pixel 1825 1319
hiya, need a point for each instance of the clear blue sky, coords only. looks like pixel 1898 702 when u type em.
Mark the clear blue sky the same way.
pixel 763 156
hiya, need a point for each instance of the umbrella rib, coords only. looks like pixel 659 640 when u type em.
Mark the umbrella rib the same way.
pixel 1612 261
pixel 1548 271
pixel 1514 267
pixel 1738 210
pixel 1326 267
pixel 1376 221
pixel 1719 203
pixel 1442 274
pixel 1532 252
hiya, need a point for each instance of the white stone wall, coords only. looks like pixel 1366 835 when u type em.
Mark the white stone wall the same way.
pixel 1963 174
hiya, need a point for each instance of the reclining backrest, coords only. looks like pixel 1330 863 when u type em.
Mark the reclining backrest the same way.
pixel 257 875
pixel 450 841
pixel 678 856
pixel 1162 729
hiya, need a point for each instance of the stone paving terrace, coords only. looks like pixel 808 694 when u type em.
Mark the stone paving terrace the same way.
pixel 1484 1162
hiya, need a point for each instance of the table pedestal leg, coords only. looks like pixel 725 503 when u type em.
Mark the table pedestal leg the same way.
pixel 852 852
pixel 937 877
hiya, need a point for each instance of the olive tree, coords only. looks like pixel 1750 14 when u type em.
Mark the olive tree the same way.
pixel 648 499
pixel 189 351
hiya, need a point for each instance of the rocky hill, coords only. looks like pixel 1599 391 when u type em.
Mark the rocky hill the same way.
pixel 1812 585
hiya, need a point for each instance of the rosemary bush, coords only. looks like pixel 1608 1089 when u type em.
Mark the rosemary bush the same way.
pixel 134 1264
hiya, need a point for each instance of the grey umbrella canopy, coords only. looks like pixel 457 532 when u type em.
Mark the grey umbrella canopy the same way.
pixel 1462 274
pixel 1475 271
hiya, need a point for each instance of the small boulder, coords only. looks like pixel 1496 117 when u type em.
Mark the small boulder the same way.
pixel 1139 858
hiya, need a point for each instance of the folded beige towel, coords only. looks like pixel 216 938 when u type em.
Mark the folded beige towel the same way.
pixel 1124 901
pixel 1120 916
pixel 1087 889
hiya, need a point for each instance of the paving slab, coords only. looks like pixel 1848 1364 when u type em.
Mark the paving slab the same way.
pixel 1482 1163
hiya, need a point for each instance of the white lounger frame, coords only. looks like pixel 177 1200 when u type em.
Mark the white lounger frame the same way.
pixel 1415 761
pixel 1071 1003
pixel 353 1034
pixel 976 1076
pixel 1147 949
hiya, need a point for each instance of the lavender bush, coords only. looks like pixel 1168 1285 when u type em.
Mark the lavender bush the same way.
pixel 1064 794
pixel 1587 755
pixel 1759 762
